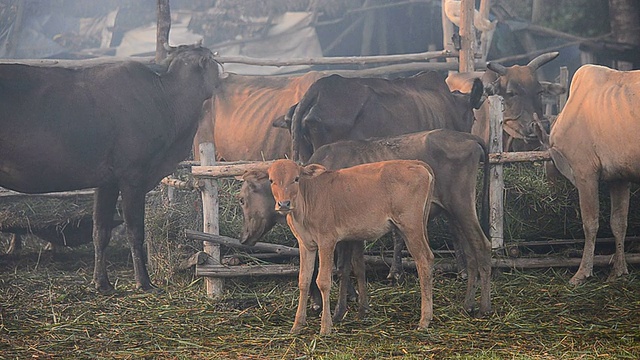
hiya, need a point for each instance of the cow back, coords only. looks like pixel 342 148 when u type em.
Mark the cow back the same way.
pixel 599 125
pixel 241 114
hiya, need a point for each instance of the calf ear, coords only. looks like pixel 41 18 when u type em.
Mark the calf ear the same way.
pixel 312 170
pixel 253 175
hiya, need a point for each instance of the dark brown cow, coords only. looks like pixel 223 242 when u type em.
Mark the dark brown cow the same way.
pixel 595 138
pixel 244 108
pixel 522 94
pixel 337 108
pixel 117 127
pixel 454 158
pixel 325 207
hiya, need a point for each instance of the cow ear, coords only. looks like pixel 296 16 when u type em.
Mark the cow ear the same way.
pixel 552 88
pixel 312 170
pixel 282 122
pixel 256 175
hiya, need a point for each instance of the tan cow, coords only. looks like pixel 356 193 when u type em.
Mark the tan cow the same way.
pixel 521 92
pixel 596 138
pixel 243 110
pixel 359 203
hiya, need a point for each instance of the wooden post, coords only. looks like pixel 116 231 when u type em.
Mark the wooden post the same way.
pixel 447 35
pixel 467 36
pixel 214 286
pixel 563 79
pixel 496 181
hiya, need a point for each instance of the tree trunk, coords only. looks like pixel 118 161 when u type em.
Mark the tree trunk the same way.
pixel 624 17
pixel 162 30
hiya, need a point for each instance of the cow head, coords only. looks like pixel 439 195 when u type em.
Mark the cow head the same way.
pixel 194 62
pixel 285 177
pixel 522 94
pixel 257 205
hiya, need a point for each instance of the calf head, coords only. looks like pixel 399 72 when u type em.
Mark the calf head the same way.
pixel 285 177
pixel 258 206
pixel 522 94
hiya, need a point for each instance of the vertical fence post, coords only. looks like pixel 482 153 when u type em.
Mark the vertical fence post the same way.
pixel 496 180
pixel 214 286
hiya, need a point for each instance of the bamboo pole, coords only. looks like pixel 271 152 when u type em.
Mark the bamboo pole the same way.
pixel 496 179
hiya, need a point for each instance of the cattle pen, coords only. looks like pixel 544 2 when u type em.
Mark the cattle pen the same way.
pixel 210 266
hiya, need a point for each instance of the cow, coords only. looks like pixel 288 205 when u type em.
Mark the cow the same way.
pixel 337 108
pixel 242 112
pixel 521 92
pixel 594 139
pixel 453 156
pixel 325 207
pixel 117 127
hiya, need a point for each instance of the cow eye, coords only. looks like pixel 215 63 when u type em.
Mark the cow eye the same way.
pixel 270 181
pixel 296 179
pixel 241 201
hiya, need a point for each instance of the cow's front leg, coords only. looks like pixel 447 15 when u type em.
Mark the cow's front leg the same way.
pixel 104 205
pixel 133 202
pixel 307 260
pixel 619 216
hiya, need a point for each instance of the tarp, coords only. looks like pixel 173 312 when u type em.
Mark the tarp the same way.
pixel 290 37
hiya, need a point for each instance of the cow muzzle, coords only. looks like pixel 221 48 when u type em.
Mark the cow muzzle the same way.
pixel 283 207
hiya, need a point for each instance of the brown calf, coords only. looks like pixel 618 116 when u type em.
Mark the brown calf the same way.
pixel 358 203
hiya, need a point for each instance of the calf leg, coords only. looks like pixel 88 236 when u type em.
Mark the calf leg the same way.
pixel 619 216
pixel 307 260
pixel 589 210
pixel 105 199
pixel 325 255
pixel 417 242
pixel 314 292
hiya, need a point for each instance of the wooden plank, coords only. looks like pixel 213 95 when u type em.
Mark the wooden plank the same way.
pixel 531 263
pixel 521 156
pixel 228 169
pixel 234 243
pixel 222 271
pixel 552 242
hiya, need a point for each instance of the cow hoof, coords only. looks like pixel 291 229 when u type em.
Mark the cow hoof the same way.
pixel 105 289
pixel 616 275
pixel 296 330
pixel 578 280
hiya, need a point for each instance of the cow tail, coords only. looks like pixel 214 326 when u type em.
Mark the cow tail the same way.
pixel 484 202
pixel 301 110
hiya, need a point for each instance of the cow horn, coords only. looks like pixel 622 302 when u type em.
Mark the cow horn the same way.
pixel 498 68
pixel 542 59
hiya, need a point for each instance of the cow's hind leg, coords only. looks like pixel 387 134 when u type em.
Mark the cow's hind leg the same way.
pixel 417 242
pixel 396 271
pixel 589 209
pixel 133 202
pixel 619 216
pixel 104 205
